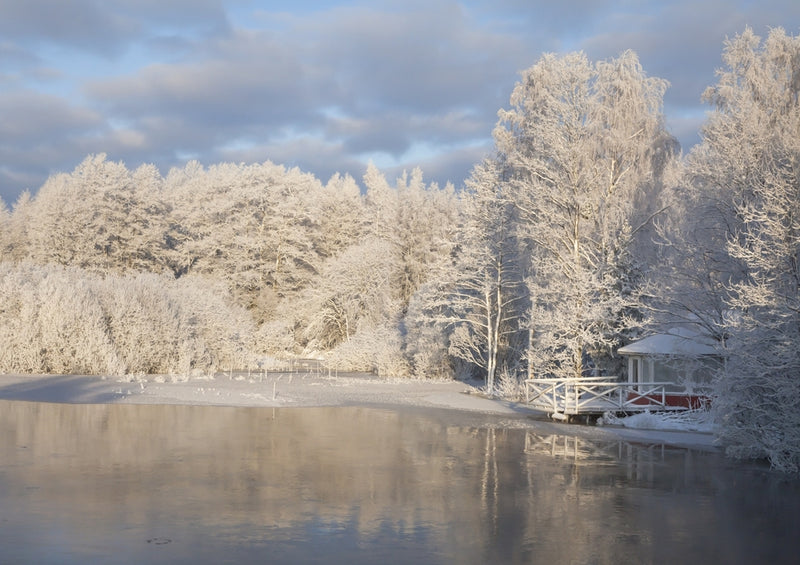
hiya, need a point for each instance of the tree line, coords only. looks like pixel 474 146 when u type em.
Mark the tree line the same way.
pixel 586 228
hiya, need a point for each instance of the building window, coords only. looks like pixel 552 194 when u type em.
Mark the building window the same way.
pixel 633 369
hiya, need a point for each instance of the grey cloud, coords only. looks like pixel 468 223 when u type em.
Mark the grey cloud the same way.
pixel 429 76
pixel 426 60
pixel 395 132
pixel 264 82
pixel 452 166
pixel 318 156
pixel 29 118
pixel 204 13
pixel 107 27
pixel 547 26
pixel 41 134
pixel 325 159
pixel 14 56
pixel 83 23
pixel 326 87
pixel 374 139
pixel 14 182
pixel 687 56
pixel 262 88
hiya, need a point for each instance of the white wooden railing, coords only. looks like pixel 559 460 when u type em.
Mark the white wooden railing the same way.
pixel 587 395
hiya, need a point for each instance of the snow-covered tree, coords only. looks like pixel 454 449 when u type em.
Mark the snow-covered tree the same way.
pixel 56 319
pixel 424 226
pixel 428 325
pixel 51 321
pixel 353 293
pixel 57 221
pixel 487 296
pixel 5 228
pixel 381 202
pixel 340 216
pixel 581 142
pixel 100 217
pixel 689 281
pixel 418 220
pixel 14 246
pixel 750 160
pixel 249 225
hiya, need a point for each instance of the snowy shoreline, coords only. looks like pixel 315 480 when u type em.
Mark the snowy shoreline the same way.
pixel 314 390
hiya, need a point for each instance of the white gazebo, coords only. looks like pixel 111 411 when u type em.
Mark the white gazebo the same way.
pixel 669 371
pixel 683 356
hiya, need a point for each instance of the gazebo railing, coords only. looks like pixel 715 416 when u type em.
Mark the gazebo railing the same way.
pixel 588 395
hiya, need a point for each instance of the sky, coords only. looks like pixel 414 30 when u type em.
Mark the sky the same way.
pixel 324 86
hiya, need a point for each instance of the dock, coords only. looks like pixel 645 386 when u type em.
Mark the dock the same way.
pixel 564 398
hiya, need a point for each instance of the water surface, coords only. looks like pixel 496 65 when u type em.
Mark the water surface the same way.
pixel 189 484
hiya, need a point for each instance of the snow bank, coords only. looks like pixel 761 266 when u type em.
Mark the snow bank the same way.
pixel 684 421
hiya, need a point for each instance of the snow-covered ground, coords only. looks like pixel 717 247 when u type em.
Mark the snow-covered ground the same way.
pixel 313 389
pixel 270 390
pixel 688 421
pixel 693 428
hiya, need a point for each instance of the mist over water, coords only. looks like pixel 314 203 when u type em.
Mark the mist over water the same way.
pixel 190 484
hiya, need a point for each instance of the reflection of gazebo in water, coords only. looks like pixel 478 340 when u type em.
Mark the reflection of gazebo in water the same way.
pixel 572 448
pixel 638 459
pixel 670 371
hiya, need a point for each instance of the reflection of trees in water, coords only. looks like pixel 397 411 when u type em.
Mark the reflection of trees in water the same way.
pixel 475 493
pixel 490 482
pixel 374 471
pixel 656 503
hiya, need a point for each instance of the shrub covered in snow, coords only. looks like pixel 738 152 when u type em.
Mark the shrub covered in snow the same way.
pixel 64 320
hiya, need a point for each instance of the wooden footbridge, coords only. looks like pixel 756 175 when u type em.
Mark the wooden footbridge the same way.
pixel 594 396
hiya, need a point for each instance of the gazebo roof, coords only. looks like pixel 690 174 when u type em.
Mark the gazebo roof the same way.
pixel 680 341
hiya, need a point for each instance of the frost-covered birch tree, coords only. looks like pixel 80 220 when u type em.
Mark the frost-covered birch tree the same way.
pixel 581 142
pixel 487 293
pixel 750 157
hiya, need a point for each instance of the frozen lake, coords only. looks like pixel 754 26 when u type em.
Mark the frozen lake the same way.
pixel 192 484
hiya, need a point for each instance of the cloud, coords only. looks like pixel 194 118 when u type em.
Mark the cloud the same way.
pixel 323 157
pixel 420 61
pixel 40 133
pixel 360 87
pixel 453 165
pixel 28 117
pixel 15 56
pixel 394 133
pixel 82 24
pixel 321 85
pixel 255 80
pixel 107 27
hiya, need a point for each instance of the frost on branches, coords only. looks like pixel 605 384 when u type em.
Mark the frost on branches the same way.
pixel 583 144
pixel 487 300
pixel 754 135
